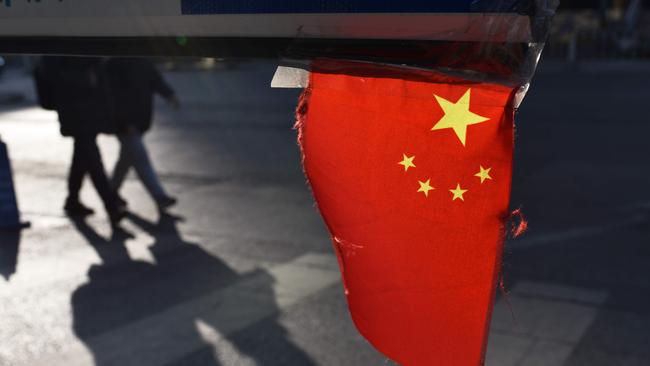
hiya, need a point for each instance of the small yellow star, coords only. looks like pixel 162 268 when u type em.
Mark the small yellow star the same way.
pixel 425 187
pixel 458 193
pixel 484 174
pixel 407 162
pixel 458 116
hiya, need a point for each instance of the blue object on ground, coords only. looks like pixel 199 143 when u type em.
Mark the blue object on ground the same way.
pixel 9 215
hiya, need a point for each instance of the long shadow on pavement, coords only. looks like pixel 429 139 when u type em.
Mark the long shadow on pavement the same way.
pixel 122 292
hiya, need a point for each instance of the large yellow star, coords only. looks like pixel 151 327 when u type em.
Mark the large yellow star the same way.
pixel 458 193
pixel 425 187
pixel 457 116
pixel 407 162
pixel 484 174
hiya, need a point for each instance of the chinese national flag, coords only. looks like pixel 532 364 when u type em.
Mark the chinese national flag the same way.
pixel 411 171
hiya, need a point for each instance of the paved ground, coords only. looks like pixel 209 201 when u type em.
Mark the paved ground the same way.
pixel 242 273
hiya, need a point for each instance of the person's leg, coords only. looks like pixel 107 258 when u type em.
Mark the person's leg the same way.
pixel 77 172
pixel 123 165
pixel 147 174
pixel 95 168
pixel 78 169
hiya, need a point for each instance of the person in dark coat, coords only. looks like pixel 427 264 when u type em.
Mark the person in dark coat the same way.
pixel 133 84
pixel 81 100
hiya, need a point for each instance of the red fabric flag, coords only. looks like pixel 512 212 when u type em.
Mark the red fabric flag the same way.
pixel 411 171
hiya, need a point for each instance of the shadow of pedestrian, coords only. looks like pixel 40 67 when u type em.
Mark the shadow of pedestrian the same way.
pixel 9 245
pixel 138 313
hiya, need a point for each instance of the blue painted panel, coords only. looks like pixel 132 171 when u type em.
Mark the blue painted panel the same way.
pixel 347 6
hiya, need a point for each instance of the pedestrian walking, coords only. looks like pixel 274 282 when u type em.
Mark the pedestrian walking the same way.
pixel 79 95
pixel 133 84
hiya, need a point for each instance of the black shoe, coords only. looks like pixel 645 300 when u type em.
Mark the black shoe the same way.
pixel 166 202
pixel 75 208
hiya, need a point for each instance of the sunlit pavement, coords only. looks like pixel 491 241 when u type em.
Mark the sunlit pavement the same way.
pixel 241 273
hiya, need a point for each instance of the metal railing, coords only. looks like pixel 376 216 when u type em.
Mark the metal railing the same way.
pixel 598 44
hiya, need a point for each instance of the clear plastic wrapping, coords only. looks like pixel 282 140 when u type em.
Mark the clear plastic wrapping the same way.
pixel 494 41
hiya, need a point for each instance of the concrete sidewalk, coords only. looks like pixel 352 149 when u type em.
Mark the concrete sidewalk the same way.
pixel 247 240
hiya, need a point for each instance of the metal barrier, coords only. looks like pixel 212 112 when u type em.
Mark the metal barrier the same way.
pixel 599 45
